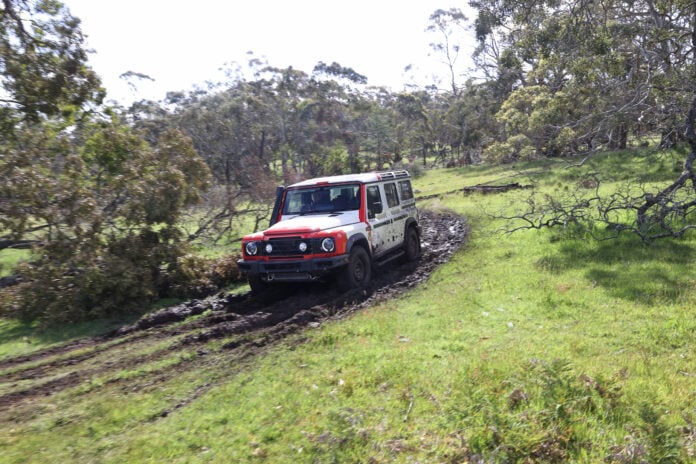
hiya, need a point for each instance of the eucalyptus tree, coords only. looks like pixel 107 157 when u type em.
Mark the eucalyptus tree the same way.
pixel 586 74
pixel 593 73
pixel 340 109
pixel 42 64
pixel 98 205
pixel 229 131
pixel 414 128
pixel 379 130
pixel 469 122
pixel 450 26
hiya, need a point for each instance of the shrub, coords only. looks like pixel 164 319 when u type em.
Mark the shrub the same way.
pixel 124 280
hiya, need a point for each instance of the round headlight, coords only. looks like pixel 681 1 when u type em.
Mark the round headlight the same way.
pixel 269 248
pixel 302 247
pixel 251 248
pixel 328 245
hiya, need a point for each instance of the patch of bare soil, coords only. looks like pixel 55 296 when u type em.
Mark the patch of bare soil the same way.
pixel 246 324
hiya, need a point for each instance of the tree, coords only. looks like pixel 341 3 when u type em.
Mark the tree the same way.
pixel 103 218
pixel 98 204
pixel 46 82
pixel 567 78
pixel 42 63
pixel 623 65
pixel 627 67
pixel 336 70
pixel 447 23
pixel 233 133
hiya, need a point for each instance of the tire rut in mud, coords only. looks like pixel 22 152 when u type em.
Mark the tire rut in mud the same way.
pixel 245 324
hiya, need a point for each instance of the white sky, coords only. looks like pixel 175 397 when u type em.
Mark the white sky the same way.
pixel 184 43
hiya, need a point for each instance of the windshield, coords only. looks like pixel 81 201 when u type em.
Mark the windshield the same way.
pixel 324 199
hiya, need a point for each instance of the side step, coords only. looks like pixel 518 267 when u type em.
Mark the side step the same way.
pixel 382 260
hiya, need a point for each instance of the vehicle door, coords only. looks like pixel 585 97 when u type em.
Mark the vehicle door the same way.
pixel 377 218
pixel 408 201
pixel 397 216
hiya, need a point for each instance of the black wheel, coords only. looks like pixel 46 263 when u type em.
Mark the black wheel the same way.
pixel 257 285
pixel 412 245
pixel 358 272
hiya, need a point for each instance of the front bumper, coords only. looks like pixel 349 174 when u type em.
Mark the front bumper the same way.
pixel 301 270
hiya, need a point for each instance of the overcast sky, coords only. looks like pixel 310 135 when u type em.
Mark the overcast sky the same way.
pixel 183 43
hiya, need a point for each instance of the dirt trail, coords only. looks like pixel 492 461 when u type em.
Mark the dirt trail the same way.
pixel 245 324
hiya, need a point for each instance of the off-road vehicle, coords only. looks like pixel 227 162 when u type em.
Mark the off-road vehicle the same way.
pixel 340 226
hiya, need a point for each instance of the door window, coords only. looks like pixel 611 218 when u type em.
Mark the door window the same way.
pixel 374 201
pixel 405 190
pixel 392 196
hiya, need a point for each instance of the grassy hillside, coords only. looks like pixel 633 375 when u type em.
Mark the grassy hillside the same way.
pixel 530 347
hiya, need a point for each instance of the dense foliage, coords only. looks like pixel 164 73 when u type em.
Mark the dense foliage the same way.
pixel 552 78
pixel 99 205
pixel 582 76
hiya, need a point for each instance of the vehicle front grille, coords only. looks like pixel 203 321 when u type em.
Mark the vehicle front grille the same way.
pixel 282 267
pixel 287 247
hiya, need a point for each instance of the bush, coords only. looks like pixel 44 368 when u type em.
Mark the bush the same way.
pixel 74 280
pixel 517 148
pixel 53 293
pixel 125 279
pixel 499 152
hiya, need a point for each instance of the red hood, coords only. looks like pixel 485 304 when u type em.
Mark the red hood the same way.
pixel 307 224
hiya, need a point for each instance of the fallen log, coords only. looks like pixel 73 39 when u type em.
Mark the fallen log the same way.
pixel 495 188
pixel 480 188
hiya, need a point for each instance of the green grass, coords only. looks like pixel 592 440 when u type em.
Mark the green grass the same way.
pixel 10 258
pixel 530 347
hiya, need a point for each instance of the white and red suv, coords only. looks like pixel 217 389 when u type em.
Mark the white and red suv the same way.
pixel 339 225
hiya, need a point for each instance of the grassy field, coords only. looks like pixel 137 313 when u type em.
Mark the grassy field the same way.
pixel 529 347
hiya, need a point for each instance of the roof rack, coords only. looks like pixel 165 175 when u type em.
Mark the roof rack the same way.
pixel 393 174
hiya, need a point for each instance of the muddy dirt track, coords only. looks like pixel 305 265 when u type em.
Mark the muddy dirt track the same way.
pixel 241 324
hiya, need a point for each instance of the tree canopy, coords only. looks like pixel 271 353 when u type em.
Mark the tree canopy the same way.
pixel 43 63
pixel 583 76
pixel 98 205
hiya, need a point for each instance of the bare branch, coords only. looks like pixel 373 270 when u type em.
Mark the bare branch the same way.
pixel 10 11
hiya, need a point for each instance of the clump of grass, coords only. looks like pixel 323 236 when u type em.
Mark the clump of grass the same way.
pixel 546 412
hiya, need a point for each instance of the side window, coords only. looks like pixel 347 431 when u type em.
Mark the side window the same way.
pixel 392 197
pixel 374 201
pixel 405 190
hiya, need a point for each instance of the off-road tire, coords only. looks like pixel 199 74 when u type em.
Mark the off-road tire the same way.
pixel 358 271
pixel 412 245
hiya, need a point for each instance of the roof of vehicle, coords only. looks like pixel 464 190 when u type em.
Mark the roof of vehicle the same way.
pixel 363 178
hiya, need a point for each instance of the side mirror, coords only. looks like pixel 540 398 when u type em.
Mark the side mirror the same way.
pixel 377 205
pixel 373 209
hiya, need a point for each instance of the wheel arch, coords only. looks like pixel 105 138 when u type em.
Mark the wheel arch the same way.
pixel 359 240
pixel 411 222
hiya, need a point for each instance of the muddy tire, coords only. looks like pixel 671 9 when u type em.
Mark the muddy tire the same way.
pixel 412 245
pixel 358 272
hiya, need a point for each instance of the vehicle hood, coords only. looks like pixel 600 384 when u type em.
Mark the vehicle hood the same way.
pixel 311 223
